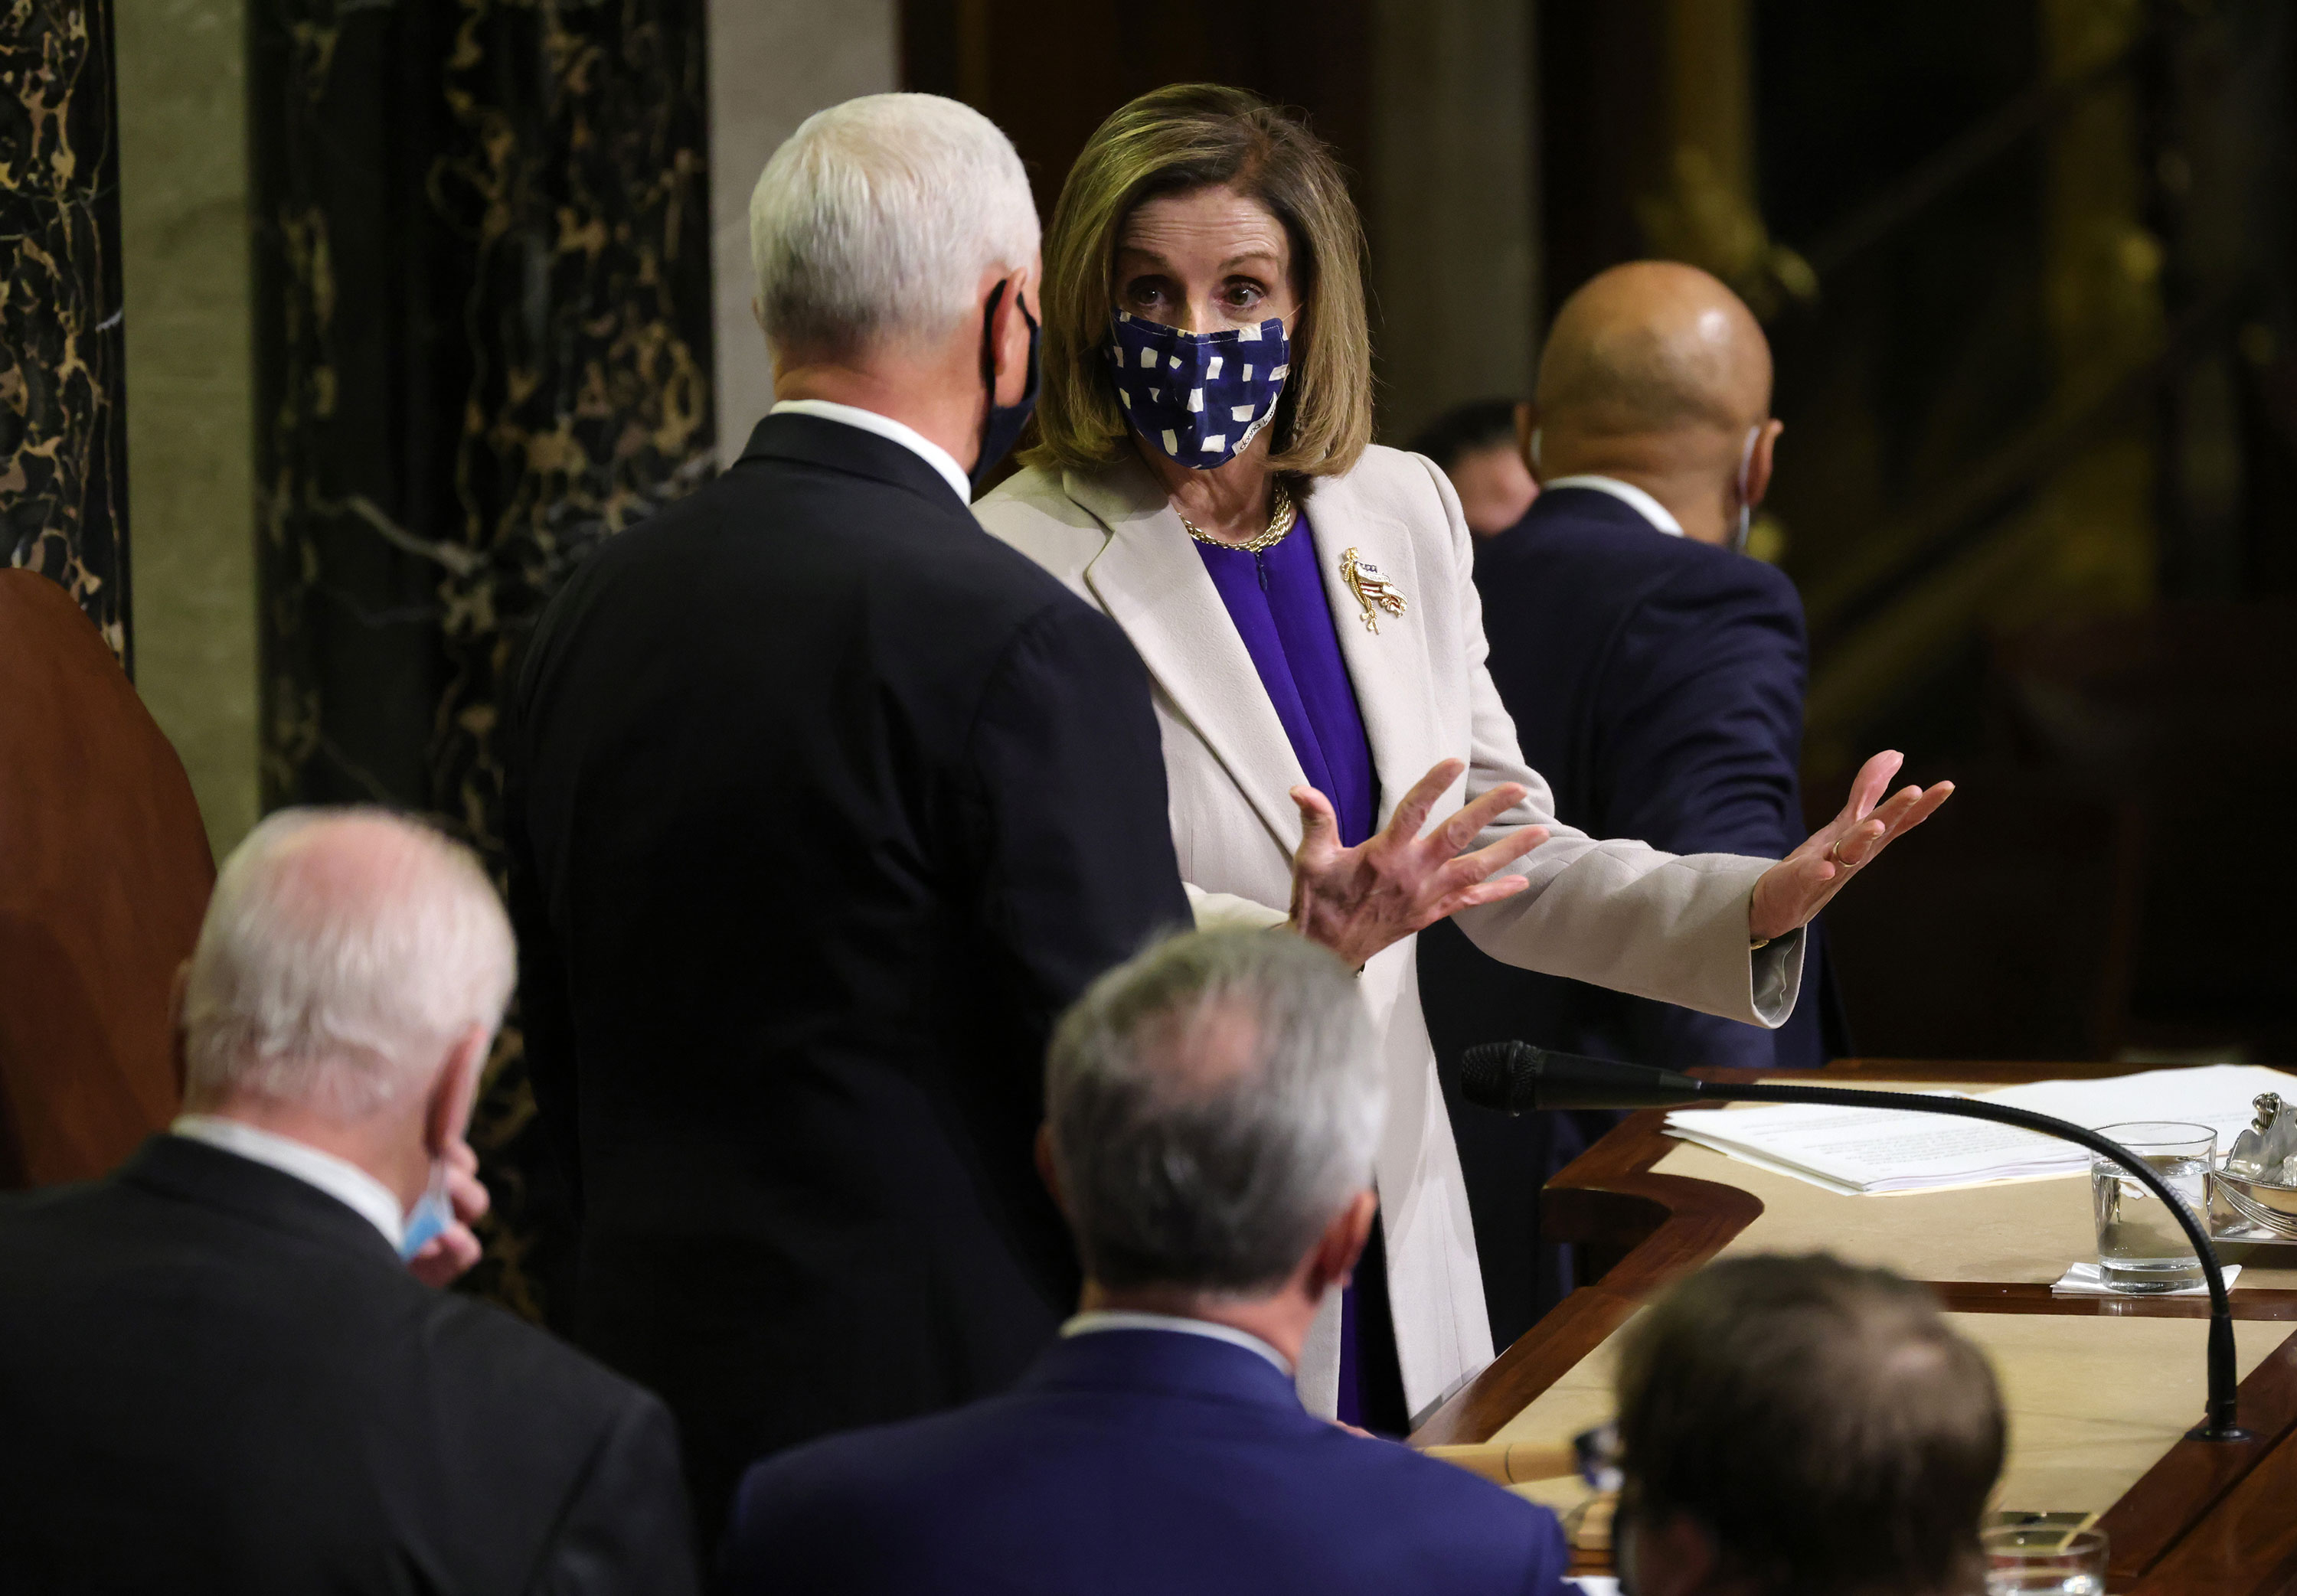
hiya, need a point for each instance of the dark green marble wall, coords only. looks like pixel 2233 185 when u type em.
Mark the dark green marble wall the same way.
pixel 63 428
pixel 484 344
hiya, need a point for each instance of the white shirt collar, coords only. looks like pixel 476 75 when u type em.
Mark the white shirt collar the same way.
pixel 885 426
pixel 339 1179
pixel 1114 1319
pixel 1653 511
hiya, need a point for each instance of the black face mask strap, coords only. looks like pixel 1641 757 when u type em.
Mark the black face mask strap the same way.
pixel 1002 426
pixel 989 343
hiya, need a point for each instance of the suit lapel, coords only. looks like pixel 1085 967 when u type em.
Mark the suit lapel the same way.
pixel 1148 578
pixel 1388 668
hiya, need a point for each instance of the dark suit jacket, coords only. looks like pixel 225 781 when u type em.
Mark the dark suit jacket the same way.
pixel 826 804
pixel 1146 1461
pixel 216 1378
pixel 1657 683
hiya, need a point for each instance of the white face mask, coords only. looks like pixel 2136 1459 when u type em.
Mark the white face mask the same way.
pixel 1746 510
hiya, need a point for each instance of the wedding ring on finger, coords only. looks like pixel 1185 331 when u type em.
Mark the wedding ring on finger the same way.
pixel 1834 855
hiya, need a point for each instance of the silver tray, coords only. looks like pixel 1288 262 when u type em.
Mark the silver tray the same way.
pixel 2252 1211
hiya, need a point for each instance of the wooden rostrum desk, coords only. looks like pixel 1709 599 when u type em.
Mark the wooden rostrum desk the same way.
pixel 2100 1390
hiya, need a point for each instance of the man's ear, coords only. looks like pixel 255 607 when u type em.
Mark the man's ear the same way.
pixel 1046 1173
pixel 1675 1557
pixel 446 1116
pixel 179 1059
pixel 1334 1261
pixel 1759 463
pixel 1009 330
pixel 1526 423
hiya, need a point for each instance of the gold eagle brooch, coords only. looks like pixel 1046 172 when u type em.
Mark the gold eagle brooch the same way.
pixel 1373 591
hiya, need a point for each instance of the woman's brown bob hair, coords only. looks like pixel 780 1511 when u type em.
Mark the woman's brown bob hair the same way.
pixel 1197 135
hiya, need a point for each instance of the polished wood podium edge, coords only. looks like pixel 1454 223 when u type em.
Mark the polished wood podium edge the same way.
pixel 2207 1516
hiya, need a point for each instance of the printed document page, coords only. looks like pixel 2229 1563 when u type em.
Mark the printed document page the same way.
pixel 1872 1150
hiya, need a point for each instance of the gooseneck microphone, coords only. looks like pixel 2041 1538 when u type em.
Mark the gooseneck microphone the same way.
pixel 1512 1076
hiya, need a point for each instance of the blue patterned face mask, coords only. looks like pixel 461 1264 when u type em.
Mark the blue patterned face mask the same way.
pixel 1200 397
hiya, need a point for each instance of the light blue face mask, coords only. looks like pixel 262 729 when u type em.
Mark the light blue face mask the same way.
pixel 432 1216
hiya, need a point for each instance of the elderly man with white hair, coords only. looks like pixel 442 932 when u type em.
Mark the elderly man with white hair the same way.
pixel 824 804
pixel 219 1371
pixel 1214 1108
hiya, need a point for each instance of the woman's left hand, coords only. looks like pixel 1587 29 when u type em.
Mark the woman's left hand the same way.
pixel 1798 886
pixel 1358 901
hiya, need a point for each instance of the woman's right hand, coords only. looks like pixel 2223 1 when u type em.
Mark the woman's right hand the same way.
pixel 1358 901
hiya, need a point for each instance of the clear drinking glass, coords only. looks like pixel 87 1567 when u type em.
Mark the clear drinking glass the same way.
pixel 2141 1248
pixel 2024 1558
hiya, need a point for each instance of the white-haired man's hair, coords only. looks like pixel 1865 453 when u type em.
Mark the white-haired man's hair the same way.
pixel 872 225
pixel 342 952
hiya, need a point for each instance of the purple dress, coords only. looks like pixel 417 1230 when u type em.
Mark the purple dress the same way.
pixel 1276 598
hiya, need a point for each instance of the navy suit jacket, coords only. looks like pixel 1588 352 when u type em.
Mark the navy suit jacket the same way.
pixel 1137 1460
pixel 1657 683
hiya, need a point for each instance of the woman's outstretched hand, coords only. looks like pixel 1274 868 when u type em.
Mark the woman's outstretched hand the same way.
pixel 1357 900
pixel 1798 886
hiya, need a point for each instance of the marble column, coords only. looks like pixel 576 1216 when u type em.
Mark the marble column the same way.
pixel 183 230
pixel 483 336
pixel 771 68
pixel 63 425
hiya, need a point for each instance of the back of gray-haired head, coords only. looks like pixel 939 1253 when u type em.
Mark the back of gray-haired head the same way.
pixel 342 952
pixel 1214 1104
pixel 873 224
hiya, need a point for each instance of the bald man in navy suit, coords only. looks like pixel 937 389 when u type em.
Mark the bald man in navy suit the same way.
pixel 1655 674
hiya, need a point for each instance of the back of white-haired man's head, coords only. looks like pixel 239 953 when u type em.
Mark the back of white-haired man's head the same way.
pixel 895 243
pixel 876 220
pixel 349 975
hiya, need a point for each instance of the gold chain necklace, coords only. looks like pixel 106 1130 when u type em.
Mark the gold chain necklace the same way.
pixel 1279 521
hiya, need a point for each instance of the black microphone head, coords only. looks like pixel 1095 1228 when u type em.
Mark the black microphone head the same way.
pixel 1513 1076
pixel 1488 1072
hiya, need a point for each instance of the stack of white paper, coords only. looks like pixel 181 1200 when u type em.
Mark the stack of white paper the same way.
pixel 1876 1150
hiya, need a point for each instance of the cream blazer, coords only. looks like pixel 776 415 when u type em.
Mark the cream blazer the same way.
pixel 1619 914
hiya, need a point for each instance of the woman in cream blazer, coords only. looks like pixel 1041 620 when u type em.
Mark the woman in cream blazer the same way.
pixel 1201 208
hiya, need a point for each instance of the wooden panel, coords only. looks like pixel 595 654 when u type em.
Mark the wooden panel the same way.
pixel 1664 1225
pixel 2246 1547
pixel 2180 1490
pixel 105 873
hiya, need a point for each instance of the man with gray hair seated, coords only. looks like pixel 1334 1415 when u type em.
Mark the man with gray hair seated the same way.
pixel 1213 1108
pixel 218 1369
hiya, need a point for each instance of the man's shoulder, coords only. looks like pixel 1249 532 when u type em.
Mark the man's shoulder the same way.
pixel 229 1336
pixel 819 551
pixel 1582 547
pixel 968 1481
pixel 520 1366
pixel 1438 1492
pixel 77 1252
